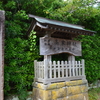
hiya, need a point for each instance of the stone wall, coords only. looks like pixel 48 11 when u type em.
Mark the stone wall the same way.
pixel 72 90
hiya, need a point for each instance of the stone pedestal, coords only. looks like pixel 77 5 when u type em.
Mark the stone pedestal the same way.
pixel 72 90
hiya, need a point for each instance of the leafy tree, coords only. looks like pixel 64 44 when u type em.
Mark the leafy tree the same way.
pixel 20 52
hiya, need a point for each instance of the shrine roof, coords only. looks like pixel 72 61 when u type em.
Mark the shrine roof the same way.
pixel 57 28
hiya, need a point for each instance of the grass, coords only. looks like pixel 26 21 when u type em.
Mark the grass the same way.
pixel 94 94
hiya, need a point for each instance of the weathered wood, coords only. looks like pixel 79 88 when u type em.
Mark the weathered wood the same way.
pixel 79 68
pixel 2 19
pixel 45 69
pixel 47 57
pixel 70 74
pixel 73 68
pixel 51 46
pixel 71 58
pixel 58 62
pixel 83 67
pixel 66 68
pixel 76 68
pixel 54 64
pixel 42 69
pixel 47 81
pixel 35 66
pixel 50 63
pixel 62 71
pixel 59 70
pixel 41 25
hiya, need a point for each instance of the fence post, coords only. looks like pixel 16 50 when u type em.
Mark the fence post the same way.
pixel 45 69
pixel 50 63
pixel 62 65
pixel 35 66
pixel 70 68
pixel 58 63
pixel 76 68
pixel 73 67
pixel 83 67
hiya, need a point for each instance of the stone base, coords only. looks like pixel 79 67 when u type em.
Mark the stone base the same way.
pixel 72 90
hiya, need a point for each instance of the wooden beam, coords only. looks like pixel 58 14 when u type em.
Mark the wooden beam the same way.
pixel 48 57
pixel 71 57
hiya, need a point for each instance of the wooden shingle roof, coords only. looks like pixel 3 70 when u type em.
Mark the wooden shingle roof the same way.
pixel 57 29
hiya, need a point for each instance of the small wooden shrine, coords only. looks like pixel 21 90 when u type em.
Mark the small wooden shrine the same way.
pixel 58 37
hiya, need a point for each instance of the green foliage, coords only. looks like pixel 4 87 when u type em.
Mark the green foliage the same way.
pixel 19 71
pixel 1 6
pixel 90 52
pixel 19 55
pixel 94 94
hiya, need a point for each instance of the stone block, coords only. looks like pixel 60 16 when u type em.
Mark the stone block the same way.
pixel 59 93
pixel 73 90
pixel 61 84
pixel 77 82
pixel 62 92
pixel 76 97
pixel 86 97
pixel 40 86
pixel 47 95
pixel 35 94
pixel 84 81
pixel 41 94
pixel 51 86
pixel 84 88
pixel 65 98
pixel 74 83
pixel 54 94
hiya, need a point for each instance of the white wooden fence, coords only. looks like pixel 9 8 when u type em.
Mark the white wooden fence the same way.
pixel 48 72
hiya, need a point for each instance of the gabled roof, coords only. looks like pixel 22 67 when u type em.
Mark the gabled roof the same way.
pixel 57 29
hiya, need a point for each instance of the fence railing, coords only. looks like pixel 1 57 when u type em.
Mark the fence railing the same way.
pixel 47 72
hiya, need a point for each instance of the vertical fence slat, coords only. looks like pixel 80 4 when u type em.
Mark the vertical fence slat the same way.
pixel 39 69
pixel 79 68
pixel 45 69
pixel 70 68
pixel 76 68
pixel 50 63
pixel 73 67
pixel 83 67
pixel 62 65
pixel 35 66
pixel 54 63
pixel 66 68
pixel 58 63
